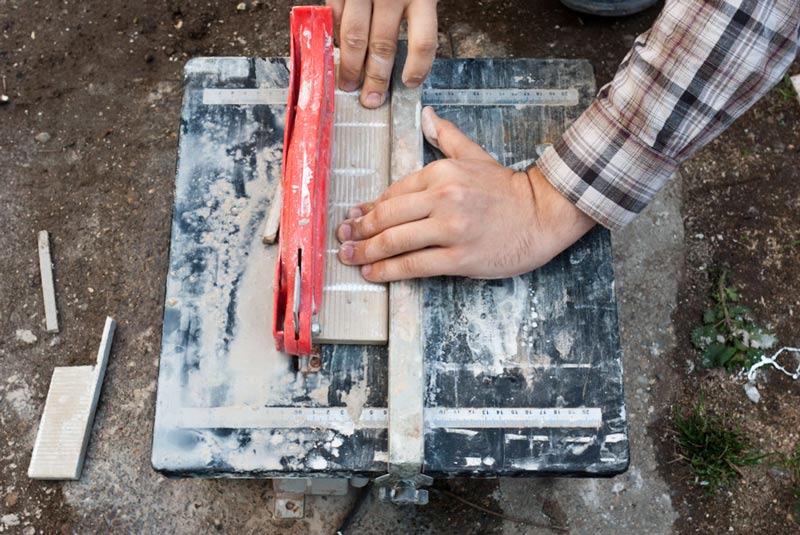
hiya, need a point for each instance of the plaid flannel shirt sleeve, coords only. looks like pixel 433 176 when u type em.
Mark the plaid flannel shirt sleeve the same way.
pixel 701 65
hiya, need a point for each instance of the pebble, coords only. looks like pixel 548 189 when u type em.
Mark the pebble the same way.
pixel 241 7
pixel 9 521
pixel 752 392
pixel 778 473
pixel 42 137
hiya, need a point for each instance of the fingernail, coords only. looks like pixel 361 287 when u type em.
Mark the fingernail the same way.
pixel 373 100
pixel 349 86
pixel 413 81
pixel 346 251
pixel 345 231
pixel 354 212
pixel 428 127
pixel 366 270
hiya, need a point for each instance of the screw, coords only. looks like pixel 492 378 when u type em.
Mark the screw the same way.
pixel 314 362
pixel 291 506
pixel 315 329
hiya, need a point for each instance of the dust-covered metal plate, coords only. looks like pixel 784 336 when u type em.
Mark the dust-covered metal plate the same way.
pixel 547 342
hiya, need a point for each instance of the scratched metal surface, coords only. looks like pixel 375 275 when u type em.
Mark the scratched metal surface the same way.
pixel 546 339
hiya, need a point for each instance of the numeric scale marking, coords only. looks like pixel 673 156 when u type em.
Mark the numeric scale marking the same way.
pixel 434 97
pixel 377 418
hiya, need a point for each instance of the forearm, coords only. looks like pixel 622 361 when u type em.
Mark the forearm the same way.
pixel 701 65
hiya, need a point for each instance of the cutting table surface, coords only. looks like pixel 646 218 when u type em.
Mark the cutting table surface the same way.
pixel 537 353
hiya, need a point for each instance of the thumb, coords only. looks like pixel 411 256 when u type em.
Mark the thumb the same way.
pixel 447 137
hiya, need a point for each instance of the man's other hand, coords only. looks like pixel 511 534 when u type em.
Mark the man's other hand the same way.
pixel 464 215
pixel 368 31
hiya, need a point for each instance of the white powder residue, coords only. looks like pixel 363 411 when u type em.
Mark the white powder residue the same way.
pixel 304 96
pixel 563 342
pixel 614 438
pixel 224 70
pixel 9 521
pixel 526 463
pixel 468 432
pixel 243 458
pixel 20 397
pixel 26 336
pixel 247 370
pixel 494 322
pixel 305 192
pixel 315 462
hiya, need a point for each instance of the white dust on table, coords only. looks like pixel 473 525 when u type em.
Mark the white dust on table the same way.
pixel 242 368
pixel 563 342
pixel 494 322
pixel 249 369
pixel 356 398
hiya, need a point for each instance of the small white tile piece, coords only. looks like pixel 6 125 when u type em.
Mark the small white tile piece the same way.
pixel 48 288
pixel 273 222
pixel 66 423
pixel 796 83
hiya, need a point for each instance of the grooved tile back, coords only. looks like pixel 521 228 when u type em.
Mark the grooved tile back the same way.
pixel 354 310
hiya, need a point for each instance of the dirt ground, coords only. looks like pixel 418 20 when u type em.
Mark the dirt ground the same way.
pixel 87 150
pixel 742 213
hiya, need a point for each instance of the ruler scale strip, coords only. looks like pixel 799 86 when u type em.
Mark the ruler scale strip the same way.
pixel 342 418
pixel 501 97
pixel 431 96
pixel 245 97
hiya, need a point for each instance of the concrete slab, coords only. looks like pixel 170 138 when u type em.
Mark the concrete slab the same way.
pixel 648 258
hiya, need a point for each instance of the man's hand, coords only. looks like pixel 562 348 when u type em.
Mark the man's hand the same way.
pixel 368 31
pixel 464 215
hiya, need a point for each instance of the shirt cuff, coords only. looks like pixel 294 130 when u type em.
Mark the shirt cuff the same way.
pixel 606 171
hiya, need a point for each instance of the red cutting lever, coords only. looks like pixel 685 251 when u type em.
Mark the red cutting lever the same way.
pixel 306 167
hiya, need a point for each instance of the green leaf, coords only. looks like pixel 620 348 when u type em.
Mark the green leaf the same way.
pixel 709 316
pixel 702 337
pixel 711 355
pixel 726 355
pixel 731 294
pixel 738 312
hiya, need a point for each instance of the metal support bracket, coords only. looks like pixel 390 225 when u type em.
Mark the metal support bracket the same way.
pixel 404 490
